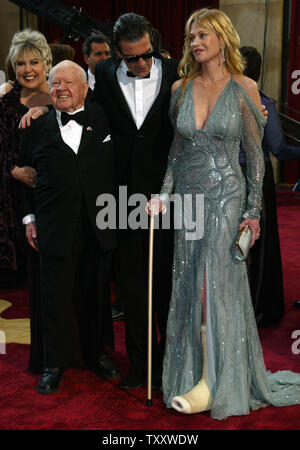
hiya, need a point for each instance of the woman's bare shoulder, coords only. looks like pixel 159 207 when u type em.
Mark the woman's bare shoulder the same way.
pixel 176 85
pixel 250 86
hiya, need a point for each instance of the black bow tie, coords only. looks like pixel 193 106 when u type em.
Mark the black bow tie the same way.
pixel 78 117
pixel 130 74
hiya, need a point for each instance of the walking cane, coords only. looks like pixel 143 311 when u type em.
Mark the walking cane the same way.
pixel 150 278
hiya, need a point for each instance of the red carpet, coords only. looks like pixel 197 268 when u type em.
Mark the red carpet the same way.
pixel 87 402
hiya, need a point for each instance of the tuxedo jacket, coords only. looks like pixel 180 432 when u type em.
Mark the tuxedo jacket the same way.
pixel 141 154
pixel 68 182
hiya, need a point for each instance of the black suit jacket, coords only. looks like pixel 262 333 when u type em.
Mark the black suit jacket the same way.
pixel 141 154
pixel 64 177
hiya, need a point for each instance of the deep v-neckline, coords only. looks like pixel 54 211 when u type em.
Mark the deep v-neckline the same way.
pixel 213 108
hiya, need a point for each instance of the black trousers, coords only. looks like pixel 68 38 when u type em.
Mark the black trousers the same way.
pixel 76 309
pixel 36 353
pixel 132 282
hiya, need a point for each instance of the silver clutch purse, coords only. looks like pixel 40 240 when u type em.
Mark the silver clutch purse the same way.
pixel 243 242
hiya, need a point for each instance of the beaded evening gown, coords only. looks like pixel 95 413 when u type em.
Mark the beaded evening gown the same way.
pixel 205 271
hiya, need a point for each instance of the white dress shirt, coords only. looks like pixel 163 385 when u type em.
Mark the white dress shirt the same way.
pixel 71 132
pixel 71 135
pixel 91 79
pixel 140 93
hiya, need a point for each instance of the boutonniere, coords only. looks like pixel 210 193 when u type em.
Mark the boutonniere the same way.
pixel 89 128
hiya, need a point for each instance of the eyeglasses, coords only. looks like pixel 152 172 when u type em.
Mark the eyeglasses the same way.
pixel 133 59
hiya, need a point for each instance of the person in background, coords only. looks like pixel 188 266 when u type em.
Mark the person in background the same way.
pixel 264 260
pixel 61 52
pixel 95 49
pixel 10 78
pixel 2 77
pixel 165 53
pixel 158 47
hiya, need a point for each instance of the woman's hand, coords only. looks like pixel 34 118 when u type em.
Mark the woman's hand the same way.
pixel 33 113
pixel 25 174
pixel 255 228
pixel 155 206
pixel 264 111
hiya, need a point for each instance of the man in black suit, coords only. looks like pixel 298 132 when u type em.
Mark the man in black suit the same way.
pixel 134 89
pixel 72 152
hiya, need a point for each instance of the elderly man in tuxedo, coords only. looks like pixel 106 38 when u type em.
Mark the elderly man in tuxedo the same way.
pixel 72 152
pixel 134 88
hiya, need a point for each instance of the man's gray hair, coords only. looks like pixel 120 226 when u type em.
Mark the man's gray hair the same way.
pixel 71 65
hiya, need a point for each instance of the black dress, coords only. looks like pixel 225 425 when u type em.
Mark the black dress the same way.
pixel 264 261
pixel 12 260
pixel 17 259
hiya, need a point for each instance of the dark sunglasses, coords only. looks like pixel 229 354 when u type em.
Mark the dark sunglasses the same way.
pixel 133 59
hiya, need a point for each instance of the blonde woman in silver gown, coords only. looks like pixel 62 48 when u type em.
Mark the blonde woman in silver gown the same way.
pixel 213 359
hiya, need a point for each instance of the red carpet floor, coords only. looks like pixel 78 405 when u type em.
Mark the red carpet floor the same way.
pixel 87 402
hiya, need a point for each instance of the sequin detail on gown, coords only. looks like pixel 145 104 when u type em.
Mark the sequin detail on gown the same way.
pixel 206 162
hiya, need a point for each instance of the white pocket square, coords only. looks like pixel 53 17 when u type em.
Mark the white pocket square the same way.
pixel 108 138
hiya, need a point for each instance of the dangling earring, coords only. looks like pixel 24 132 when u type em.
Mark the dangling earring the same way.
pixel 223 55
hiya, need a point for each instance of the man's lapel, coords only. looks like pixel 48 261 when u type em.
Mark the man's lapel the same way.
pixel 165 88
pixel 119 99
pixel 94 130
pixel 88 129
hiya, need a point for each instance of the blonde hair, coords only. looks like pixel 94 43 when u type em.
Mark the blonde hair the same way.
pixel 217 21
pixel 30 41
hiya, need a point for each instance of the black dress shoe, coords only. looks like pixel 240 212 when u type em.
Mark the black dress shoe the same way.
pixel 133 379
pixel 106 368
pixel 50 379
pixel 116 314
pixel 297 304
